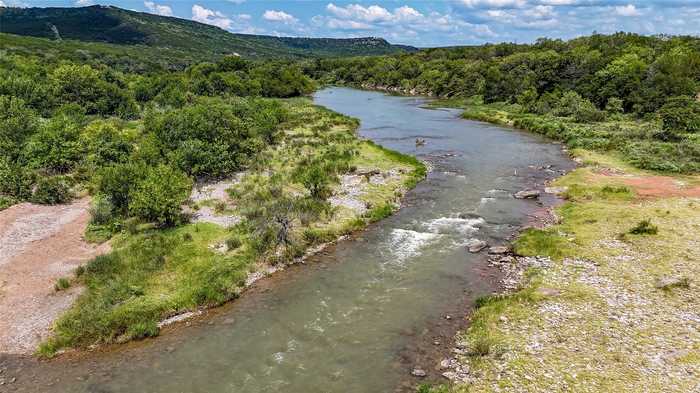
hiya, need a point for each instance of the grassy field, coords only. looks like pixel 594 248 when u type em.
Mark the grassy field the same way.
pixel 615 309
pixel 153 274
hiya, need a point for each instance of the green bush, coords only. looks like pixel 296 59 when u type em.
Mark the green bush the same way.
pixel 17 123
pixel 101 211
pixel 62 284
pixel 117 183
pixel 52 191
pixel 55 147
pixel 681 114
pixel 15 181
pixel 159 196
pixel 644 227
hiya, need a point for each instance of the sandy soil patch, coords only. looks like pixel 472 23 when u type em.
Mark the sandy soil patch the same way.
pixel 661 187
pixel 38 245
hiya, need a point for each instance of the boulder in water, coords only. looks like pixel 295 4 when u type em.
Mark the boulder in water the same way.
pixel 527 194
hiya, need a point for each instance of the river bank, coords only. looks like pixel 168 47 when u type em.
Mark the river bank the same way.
pixel 600 300
pixel 129 302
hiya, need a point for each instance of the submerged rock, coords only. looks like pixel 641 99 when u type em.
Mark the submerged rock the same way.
pixel 556 190
pixel 476 245
pixel 498 250
pixel 527 194
pixel 417 372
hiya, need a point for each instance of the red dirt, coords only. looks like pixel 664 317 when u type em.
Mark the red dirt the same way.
pixel 661 187
pixel 38 245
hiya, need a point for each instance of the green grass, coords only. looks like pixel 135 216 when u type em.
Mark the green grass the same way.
pixel 631 139
pixel 543 242
pixel 600 207
pixel 155 273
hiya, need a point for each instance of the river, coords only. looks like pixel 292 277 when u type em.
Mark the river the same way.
pixel 361 315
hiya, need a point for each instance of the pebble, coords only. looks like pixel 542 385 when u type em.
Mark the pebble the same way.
pixel 417 372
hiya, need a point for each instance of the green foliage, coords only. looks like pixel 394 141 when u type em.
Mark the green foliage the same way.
pixel 62 284
pixel 681 114
pixel 214 137
pixel 159 196
pixel 52 191
pixel 101 211
pixel 17 123
pixel 547 242
pixel 55 147
pixel 317 179
pixel 117 183
pixel 15 181
pixel 644 227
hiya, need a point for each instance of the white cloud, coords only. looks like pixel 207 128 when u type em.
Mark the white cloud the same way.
pixel 343 24
pixel 373 13
pixel 558 2
pixel 158 8
pixel 84 3
pixel 407 13
pixel 627 10
pixel 210 17
pixel 279 16
pixel 2 4
pixel 540 12
pixel 494 3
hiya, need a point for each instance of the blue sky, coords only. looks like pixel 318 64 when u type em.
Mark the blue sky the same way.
pixel 423 23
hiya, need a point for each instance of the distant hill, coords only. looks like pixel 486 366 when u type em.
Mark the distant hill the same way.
pixel 108 24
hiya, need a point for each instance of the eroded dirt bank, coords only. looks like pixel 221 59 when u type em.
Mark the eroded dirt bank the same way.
pixel 38 245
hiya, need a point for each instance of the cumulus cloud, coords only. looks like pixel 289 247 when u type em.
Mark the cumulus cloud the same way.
pixel 373 13
pixel 210 17
pixel 84 3
pixel 158 8
pixel 627 10
pixel 279 16
pixel 493 3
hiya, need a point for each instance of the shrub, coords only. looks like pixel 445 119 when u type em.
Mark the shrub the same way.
pixel 51 191
pixel 233 243
pixel 644 227
pixel 681 114
pixel 62 284
pixel 101 210
pixel 117 182
pixel 316 179
pixel 17 123
pixel 55 146
pixel 159 196
pixel 15 181
pixel 614 106
pixel 143 329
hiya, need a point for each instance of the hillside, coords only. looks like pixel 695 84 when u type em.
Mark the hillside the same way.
pixel 108 24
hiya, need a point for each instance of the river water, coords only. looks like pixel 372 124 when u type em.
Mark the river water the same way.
pixel 360 316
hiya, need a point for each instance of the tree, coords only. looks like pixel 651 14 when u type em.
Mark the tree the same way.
pixel 55 147
pixel 17 123
pixel 316 179
pixel 118 182
pixel 159 196
pixel 681 114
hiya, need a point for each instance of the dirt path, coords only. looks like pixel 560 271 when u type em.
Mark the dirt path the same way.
pixel 38 245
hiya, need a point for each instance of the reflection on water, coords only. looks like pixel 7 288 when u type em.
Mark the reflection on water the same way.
pixel 342 322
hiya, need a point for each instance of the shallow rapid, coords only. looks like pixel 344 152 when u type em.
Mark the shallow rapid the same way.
pixel 360 316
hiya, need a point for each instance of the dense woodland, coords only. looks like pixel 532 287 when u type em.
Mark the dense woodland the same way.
pixel 626 92
pixel 64 124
